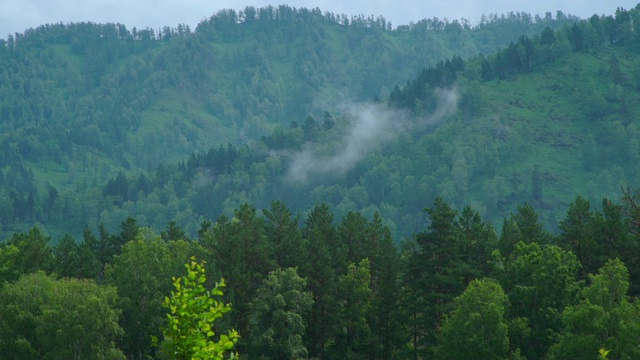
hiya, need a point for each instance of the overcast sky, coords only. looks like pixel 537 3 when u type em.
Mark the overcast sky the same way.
pixel 18 15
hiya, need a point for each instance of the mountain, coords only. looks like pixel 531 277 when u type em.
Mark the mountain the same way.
pixel 84 102
pixel 543 120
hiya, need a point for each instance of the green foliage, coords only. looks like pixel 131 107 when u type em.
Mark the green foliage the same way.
pixel 604 354
pixel 244 258
pixel 189 333
pixel 66 255
pixel 283 234
pixel 540 282
pixel 47 318
pixel 519 126
pixel 451 252
pixel 142 273
pixel 8 269
pixel 75 155
pixel 319 236
pixel 34 252
pixel 278 316
pixel 477 327
pixel 384 306
pixel 352 332
pixel 578 234
pixel 604 318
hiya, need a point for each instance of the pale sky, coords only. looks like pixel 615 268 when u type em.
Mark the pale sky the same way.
pixel 19 15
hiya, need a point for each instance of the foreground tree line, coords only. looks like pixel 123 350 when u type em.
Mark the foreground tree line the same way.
pixel 327 289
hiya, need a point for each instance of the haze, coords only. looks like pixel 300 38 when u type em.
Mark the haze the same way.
pixel 17 16
pixel 372 125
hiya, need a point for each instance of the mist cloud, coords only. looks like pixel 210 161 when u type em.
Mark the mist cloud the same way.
pixel 372 126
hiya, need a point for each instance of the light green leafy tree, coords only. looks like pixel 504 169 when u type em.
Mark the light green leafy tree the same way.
pixel 540 282
pixel 604 318
pixel 476 328
pixel 142 273
pixel 192 311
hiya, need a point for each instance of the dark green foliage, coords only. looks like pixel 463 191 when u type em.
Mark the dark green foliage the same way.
pixel 523 226
pixel 478 240
pixel 142 274
pixel 128 231
pixel 47 318
pixel 385 312
pixel 351 331
pixel 578 234
pixel 284 235
pixel 244 258
pixel 622 223
pixel 279 316
pixel 67 257
pixel 356 297
pixel 435 274
pixel 88 263
pixel 34 252
pixel 320 237
pixel 173 232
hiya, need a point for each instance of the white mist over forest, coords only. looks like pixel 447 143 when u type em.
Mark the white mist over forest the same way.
pixel 372 125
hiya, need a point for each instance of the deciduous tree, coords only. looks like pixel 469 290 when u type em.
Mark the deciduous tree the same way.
pixel 476 328
pixel 193 309
pixel 279 315
pixel 42 317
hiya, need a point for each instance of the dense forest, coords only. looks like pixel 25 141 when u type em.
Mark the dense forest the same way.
pixel 82 103
pixel 434 190
pixel 324 288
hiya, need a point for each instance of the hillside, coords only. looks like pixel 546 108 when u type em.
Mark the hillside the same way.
pixel 83 102
pixel 542 121
pixel 518 133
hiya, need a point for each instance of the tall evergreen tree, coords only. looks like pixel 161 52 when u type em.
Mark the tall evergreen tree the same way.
pixel 437 272
pixel 284 235
pixel 478 240
pixel 385 287
pixel 351 330
pixel 578 235
pixel 531 229
pixel 89 265
pixel 319 236
pixel 66 257
pixel 244 258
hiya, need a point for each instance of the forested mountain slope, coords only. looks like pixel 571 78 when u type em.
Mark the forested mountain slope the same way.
pixel 545 119
pixel 82 102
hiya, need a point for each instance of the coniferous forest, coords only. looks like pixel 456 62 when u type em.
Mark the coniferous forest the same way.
pixel 351 188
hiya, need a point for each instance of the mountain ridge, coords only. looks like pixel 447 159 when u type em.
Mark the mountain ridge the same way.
pixel 168 107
